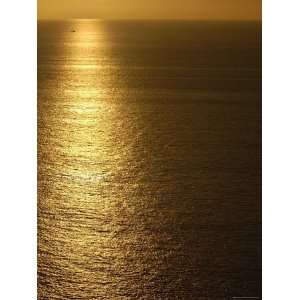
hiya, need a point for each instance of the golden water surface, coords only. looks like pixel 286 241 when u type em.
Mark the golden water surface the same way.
pixel 148 160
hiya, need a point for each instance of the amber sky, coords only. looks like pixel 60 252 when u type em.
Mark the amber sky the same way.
pixel 150 9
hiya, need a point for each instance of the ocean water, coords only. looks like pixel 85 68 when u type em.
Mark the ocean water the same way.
pixel 149 160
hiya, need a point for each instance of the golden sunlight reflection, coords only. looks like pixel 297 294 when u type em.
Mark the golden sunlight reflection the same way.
pixel 85 113
pixel 82 158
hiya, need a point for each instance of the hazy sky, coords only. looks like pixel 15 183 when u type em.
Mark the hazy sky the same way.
pixel 150 9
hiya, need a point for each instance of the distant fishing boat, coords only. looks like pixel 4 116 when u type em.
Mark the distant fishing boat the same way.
pixel 73 30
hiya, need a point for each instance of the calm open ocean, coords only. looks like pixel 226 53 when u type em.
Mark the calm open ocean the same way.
pixel 149 160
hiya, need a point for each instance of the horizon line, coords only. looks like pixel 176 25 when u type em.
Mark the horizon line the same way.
pixel 151 19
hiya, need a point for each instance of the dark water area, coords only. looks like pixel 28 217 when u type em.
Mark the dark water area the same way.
pixel 149 160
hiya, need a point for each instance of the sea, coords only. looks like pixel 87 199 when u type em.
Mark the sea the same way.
pixel 149 160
